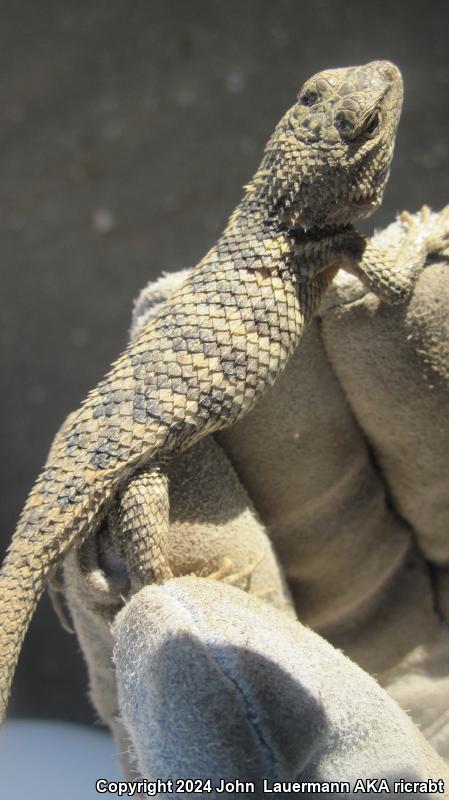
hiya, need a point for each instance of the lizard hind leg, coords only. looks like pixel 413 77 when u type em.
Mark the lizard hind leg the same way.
pixel 141 521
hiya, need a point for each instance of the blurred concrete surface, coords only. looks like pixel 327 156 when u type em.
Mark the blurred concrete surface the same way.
pixel 52 760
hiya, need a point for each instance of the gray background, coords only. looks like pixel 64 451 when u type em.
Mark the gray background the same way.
pixel 127 130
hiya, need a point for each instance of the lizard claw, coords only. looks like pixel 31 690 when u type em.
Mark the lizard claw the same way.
pixel 408 220
pixel 439 241
pixel 56 591
pixel 437 238
pixel 224 572
pixel 425 212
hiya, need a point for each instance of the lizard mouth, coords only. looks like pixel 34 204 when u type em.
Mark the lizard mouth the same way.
pixel 363 198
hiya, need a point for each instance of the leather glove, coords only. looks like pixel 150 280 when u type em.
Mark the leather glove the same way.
pixel 329 500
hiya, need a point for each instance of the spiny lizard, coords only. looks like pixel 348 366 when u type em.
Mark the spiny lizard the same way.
pixel 220 340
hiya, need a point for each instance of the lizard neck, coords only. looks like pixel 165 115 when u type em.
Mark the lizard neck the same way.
pixel 274 189
pixel 257 237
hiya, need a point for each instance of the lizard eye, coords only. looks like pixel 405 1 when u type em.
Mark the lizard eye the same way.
pixel 345 121
pixel 309 97
pixel 372 123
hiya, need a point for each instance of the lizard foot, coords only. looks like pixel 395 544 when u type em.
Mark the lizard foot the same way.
pixel 427 230
pixel 224 572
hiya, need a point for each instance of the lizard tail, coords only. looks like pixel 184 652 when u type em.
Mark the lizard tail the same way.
pixel 32 555
pixel 20 590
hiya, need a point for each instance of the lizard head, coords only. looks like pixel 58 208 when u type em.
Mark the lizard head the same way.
pixel 329 159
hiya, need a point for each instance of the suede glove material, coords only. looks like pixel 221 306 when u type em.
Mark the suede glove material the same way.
pixel 329 501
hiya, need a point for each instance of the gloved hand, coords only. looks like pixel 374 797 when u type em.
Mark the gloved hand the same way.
pixel 343 468
pixel 214 684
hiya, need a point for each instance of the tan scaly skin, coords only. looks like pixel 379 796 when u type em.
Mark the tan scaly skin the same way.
pixel 219 341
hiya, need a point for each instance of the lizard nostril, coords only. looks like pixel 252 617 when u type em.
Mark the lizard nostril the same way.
pixel 387 70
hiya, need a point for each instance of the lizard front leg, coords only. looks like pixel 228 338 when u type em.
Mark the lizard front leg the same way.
pixel 140 521
pixel 392 274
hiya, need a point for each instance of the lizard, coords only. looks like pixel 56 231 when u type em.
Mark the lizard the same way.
pixel 220 340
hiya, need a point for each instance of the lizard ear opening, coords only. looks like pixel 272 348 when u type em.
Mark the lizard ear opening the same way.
pixel 372 124
pixel 351 128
